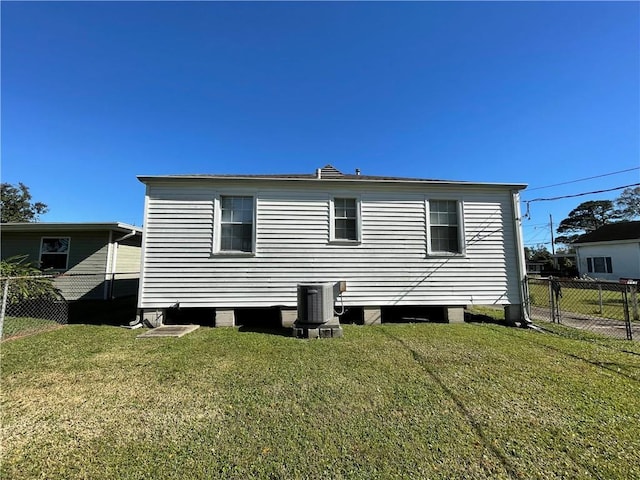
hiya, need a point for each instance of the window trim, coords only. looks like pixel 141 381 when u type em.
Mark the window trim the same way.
pixel 608 264
pixel 217 226
pixel 461 231
pixel 332 220
pixel 66 265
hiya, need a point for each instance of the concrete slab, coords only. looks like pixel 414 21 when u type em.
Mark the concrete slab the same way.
pixel 169 331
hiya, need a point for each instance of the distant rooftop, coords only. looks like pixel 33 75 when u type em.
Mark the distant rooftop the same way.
pixel 328 172
pixel 612 232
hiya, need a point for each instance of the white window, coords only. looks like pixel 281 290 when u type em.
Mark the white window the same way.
pixel 345 219
pixel 445 227
pixel 599 265
pixel 236 224
pixel 54 253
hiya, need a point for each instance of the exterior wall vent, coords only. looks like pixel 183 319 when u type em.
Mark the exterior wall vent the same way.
pixel 329 171
pixel 315 303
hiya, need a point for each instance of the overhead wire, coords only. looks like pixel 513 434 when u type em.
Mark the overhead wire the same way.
pixel 528 202
pixel 582 194
pixel 583 179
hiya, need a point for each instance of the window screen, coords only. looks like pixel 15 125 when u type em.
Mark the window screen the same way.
pixel 236 224
pixel 444 226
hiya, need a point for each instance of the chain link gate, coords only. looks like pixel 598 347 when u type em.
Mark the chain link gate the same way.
pixel 606 308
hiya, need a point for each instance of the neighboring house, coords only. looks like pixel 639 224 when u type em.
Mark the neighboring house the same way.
pixel 228 242
pixel 611 252
pixel 88 254
pixel 535 268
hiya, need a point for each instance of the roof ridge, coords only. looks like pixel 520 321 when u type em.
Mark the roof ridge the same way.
pixel 627 230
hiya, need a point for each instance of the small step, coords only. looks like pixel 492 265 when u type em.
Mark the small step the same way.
pixel 169 331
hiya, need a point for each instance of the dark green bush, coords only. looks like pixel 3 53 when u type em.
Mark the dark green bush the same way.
pixel 26 282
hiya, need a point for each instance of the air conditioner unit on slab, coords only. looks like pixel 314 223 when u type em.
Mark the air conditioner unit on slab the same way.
pixel 315 303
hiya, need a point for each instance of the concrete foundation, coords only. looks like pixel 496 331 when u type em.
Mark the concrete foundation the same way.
pixel 372 315
pixel 289 317
pixel 330 329
pixel 225 317
pixel 514 313
pixel 153 317
pixel 454 314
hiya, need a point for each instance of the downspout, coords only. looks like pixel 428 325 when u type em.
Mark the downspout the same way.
pixel 124 237
pixel 108 280
pixel 145 215
pixel 520 260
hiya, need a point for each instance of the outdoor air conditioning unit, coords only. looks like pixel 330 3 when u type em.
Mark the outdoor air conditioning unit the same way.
pixel 315 303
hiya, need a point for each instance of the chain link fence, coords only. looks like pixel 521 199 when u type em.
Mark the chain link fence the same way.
pixel 34 304
pixel 603 307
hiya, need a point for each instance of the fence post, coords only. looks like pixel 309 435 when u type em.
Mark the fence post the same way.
pixel 634 302
pixel 555 293
pixel 552 314
pixel 600 297
pixel 3 310
pixel 625 307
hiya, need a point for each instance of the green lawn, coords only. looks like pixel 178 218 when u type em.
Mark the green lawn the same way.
pixel 19 326
pixel 391 401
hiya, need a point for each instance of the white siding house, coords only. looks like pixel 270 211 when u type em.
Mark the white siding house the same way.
pixel 610 253
pixel 229 242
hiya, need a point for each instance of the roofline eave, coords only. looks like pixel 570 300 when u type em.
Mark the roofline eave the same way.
pixel 69 226
pixel 147 179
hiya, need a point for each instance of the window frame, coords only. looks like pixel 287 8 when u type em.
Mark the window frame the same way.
pixel 607 261
pixel 217 225
pixel 332 219
pixel 66 264
pixel 462 247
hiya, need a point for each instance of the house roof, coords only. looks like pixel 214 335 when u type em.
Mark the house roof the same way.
pixel 327 173
pixel 69 226
pixel 611 233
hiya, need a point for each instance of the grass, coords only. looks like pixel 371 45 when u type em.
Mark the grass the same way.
pixel 390 401
pixel 20 326
pixel 119 311
pixel 581 300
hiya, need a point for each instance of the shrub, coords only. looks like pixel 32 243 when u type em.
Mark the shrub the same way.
pixel 27 282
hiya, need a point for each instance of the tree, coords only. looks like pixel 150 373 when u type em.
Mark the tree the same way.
pixel 585 218
pixel 16 204
pixel 628 203
pixel 27 281
pixel 539 253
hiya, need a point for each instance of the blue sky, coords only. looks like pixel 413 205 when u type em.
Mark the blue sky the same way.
pixel 94 94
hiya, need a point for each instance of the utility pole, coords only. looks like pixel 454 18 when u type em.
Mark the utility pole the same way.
pixel 553 246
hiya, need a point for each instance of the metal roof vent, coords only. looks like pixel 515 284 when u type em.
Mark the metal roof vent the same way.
pixel 329 171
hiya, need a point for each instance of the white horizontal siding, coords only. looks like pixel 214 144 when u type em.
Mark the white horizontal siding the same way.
pixel 625 259
pixel 389 267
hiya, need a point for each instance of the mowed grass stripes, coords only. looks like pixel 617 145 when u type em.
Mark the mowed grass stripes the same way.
pixel 391 401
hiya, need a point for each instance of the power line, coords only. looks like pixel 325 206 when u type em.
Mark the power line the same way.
pixel 583 179
pixel 528 202
pixel 535 225
pixel 580 194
